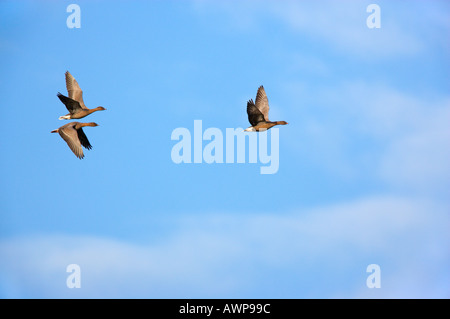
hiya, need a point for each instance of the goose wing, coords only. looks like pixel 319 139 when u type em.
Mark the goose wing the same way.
pixel 70 135
pixel 74 89
pixel 71 105
pixel 262 103
pixel 254 114
pixel 83 139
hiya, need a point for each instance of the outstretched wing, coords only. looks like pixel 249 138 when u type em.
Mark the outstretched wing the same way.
pixel 254 114
pixel 74 89
pixel 262 103
pixel 70 135
pixel 83 139
pixel 71 105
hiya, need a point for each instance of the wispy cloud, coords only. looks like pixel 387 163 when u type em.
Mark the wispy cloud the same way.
pixel 359 127
pixel 226 255
pixel 342 25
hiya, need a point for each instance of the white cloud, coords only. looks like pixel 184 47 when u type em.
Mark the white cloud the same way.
pixel 342 24
pixel 422 158
pixel 358 128
pixel 413 132
pixel 323 251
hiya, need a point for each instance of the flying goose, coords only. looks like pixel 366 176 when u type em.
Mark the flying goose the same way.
pixel 258 113
pixel 74 136
pixel 74 103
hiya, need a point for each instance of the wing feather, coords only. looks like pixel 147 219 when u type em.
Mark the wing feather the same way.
pixel 70 135
pixel 254 114
pixel 262 102
pixel 83 139
pixel 71 105
pixel 74 89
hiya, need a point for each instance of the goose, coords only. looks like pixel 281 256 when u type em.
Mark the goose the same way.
pixel 258 113
pixel 74 103
pixel 74 136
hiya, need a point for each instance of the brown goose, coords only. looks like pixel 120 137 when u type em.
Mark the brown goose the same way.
pixel 74 103
pixel 74 136
pixel 258 113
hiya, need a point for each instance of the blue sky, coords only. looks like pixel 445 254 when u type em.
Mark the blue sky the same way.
pixel 363 176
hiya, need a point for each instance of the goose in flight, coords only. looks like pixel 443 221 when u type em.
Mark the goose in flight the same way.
pixel 74 103
pixel 258 113
pixel 74 136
